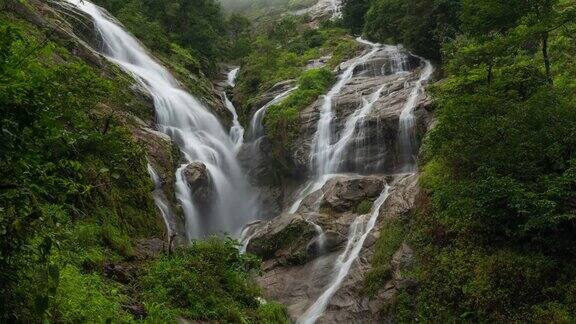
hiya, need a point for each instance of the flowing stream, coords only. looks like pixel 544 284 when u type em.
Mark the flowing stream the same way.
pixel 407 127
pixel 189 123
pixel 236 131
pixel 327 156
pixel 359 231
pixel 160 202
pixel 256 124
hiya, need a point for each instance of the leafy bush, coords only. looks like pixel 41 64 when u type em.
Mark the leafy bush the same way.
pixel 207 281
pixel 62 170
pixel 87 297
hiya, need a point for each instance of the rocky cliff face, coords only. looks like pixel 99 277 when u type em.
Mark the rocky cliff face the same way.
pixel 296 270
pixel 376 147
pixel 299 260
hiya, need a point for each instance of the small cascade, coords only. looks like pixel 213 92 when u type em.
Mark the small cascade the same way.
pixel 326 156
pixel 160 202
pixel 256 124
pixel 232 75
pixel 357 234
pixel 320 236
pixel 336 8
pixel 249 231
pixel 407 127
pixel 189 123
pixel 339 148
pixel 236 131
pixel 321 149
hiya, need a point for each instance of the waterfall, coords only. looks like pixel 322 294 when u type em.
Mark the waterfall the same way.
pixel 326 156
pixel 236 131
pixel 188 122
pixel 321 148
pixel 359 231
pixel 256 124
pixel 407 126
pixel 231 77
pixel 160 202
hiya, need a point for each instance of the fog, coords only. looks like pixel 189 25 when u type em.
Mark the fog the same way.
pixel 256 5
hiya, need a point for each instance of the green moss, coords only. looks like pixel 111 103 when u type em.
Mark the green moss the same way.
pixel 281 120
pixel 364 206
pixel 392 234
pixel 87 297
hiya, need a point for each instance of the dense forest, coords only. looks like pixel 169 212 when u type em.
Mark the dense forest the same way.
pixel 494 228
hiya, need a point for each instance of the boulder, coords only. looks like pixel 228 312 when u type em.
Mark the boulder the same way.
pixel 345 194
pixel 284 239
pixel 200 183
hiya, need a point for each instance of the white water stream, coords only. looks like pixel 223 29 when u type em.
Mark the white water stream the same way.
pixel 256 124
pixel 327 155
pixel 160 201
pixel 359 231
pixel 236 131
pixel 407 127
pixel 189 123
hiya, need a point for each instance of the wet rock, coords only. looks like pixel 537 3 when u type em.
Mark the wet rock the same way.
pixel 284 239
pixel 377 143
pixel 344 193
pixel 198 179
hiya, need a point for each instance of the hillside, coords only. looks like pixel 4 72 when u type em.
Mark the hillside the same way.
pixel 278 161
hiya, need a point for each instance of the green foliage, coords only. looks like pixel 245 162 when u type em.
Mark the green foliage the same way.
pixel 61 168
pixel 495 242
pixel 207 281
pixel 422 26
pixel 364 207
pixel 281 120
pixel 280 51
pixel 197 29
pixel 353 13
pixel 392 235
pixel 87 297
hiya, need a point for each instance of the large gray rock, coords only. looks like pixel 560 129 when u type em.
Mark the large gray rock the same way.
pixel 298 285
pixel 200 183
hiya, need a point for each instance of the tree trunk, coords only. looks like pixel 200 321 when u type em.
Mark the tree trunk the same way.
pixel 546 58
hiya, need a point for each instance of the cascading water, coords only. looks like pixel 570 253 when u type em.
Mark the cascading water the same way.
pixel 322 146
pixel 359 231
pixel 236 131
pixel 326 156
pixel 231 77
pixel 198 132
pixel 407 127
pixel 256 124
pixel 160 201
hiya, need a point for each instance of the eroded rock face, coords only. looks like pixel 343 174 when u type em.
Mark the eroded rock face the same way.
pixel 284 239
pixel 345 194
pixel 376 147
pixel 200 183
pixel 299 284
